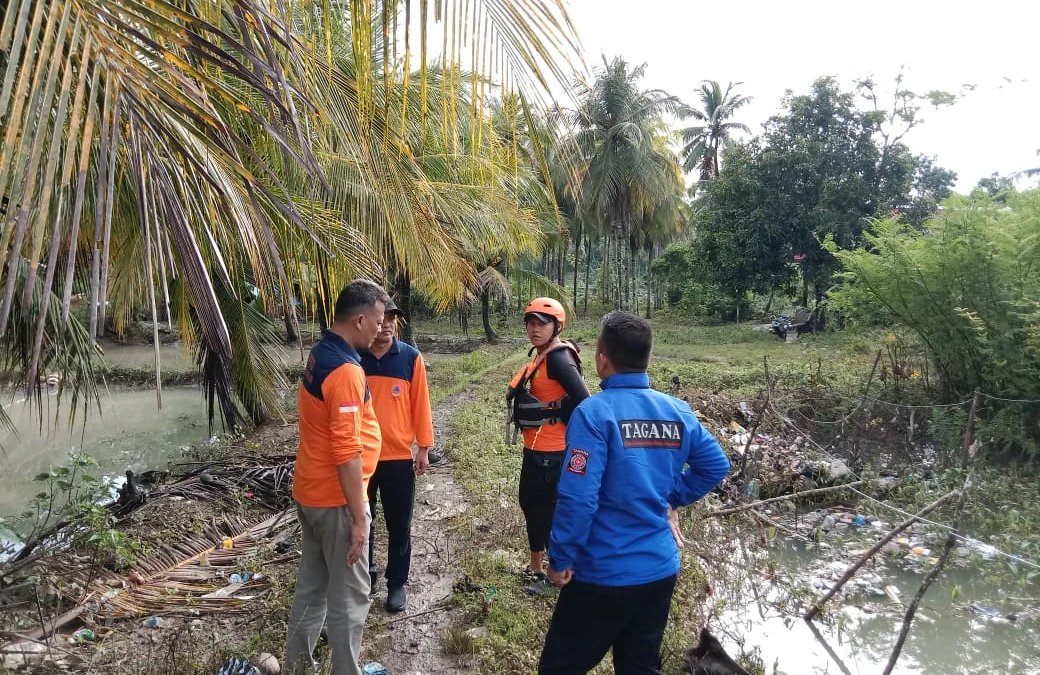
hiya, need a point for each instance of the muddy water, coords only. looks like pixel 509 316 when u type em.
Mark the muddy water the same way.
pixel 946 637
pixel 129 432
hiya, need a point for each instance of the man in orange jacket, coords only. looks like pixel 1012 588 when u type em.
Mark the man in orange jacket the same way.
pixel 338 453
pixel 397 377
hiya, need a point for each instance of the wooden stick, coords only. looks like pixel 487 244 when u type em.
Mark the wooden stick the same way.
pixel 911 609
pixel 849 573
pixel 793 495
pixel 439 608
pixel 969 431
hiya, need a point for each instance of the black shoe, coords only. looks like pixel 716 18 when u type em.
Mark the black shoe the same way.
pixel 434 457
pixel 539 587
pixel 396 599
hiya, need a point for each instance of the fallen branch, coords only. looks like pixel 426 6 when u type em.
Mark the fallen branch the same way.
pixel 911 609
pixel 951 538
pixel 758 419
pixel 766 520
pixel 849 573
pixel 793 495
pixel 438 608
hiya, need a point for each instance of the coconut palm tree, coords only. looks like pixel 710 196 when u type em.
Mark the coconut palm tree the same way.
pixel 704 142
pixel 175 154
pixel 624 171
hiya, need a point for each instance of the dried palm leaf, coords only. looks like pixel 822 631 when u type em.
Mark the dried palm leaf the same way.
pixel 182 578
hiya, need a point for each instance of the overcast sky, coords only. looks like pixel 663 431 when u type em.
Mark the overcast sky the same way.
pixel 786 44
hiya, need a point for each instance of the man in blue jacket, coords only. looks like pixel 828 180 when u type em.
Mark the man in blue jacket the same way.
pixel 634 455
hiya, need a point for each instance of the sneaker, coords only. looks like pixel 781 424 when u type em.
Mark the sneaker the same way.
pixel 435 457
pixel 538 587
pixel 396 599
pixel 530 576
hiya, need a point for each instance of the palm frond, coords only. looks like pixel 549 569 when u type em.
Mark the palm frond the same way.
pixel 188 577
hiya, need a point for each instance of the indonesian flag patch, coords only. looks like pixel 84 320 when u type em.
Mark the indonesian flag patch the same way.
pixel 579 461
pixel 348 407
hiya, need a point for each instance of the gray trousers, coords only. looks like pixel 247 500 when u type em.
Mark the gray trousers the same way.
pixel 326 585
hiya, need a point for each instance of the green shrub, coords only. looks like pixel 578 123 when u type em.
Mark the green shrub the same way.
pixel 968 287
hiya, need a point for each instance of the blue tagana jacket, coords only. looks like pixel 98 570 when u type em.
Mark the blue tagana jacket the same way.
pixel 631 452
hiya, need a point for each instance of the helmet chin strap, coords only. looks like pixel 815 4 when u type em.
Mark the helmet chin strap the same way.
pixel 551 342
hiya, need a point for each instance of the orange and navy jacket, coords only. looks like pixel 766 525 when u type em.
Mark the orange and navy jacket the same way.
pixel 401 399
pixel 548 437
pixel 337 423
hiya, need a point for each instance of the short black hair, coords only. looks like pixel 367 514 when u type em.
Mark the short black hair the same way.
pixel 626 341
pixel 358 297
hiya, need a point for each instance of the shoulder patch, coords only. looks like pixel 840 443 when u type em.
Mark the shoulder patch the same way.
pixel 579 462
pixel 666 434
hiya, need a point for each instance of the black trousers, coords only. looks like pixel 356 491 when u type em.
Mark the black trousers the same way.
pixel 394 484
pixel 539 480
pixel 589 620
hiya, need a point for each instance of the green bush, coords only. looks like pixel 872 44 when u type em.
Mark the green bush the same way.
pixel 968 287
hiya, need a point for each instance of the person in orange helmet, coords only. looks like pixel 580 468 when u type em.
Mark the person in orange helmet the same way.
pixel 541 397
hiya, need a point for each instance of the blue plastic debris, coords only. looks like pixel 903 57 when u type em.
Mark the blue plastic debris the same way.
pixel 374 668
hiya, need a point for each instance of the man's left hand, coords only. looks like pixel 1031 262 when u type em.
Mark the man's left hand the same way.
pixel 561 579
pixel 422 461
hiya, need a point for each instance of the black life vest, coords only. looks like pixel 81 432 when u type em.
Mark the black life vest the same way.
pixel 527 411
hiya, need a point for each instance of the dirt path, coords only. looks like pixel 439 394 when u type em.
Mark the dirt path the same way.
pixel 411 644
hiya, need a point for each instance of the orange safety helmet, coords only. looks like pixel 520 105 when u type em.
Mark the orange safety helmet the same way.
pixel 547 310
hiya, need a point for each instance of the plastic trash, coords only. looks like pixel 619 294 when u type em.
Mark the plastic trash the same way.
pixel 235 579
pixel 238 666
pixel 152 622
pixel 860 521
pixel 983 610
pixel 228 542
pixel 84 635
pixel 753 488
pixel 374 668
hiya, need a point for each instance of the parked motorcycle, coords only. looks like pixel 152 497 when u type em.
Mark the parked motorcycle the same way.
pixel 780 326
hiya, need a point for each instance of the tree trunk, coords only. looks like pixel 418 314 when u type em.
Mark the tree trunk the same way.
pixel 769 302
pixel 291 336
pixel 649 278
pixel 561 267
pixel 485 316
pixel 588 269
pixel 805 290
pixel 619 269
pixel 403 291
pixel 574 275
pixel 632 267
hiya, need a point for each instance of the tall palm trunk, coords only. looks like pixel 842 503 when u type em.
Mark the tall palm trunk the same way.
pixel 619 268
pixel 485 316
pixel 403 291
pixel 561 262
pixel 588 269
pixel 631 276
pixel 649 278
pixel 574 293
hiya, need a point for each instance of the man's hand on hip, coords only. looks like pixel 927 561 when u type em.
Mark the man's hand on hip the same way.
pixel 560 579
pixel 422 461
pixel 673 523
